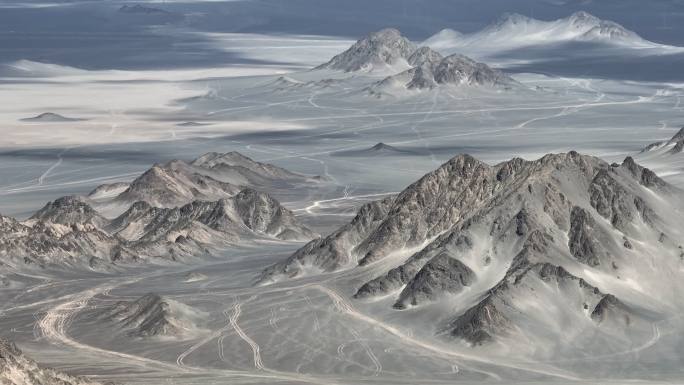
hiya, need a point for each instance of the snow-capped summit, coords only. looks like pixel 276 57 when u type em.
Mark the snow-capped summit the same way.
pixel 382 50
pixel 512 31
pixel 583 20
pixel 610 31
pixel 443 38
pixel 511 20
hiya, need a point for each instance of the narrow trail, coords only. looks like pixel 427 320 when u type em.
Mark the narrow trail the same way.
pixel 54 323
pixel 60 159
pixel 374 359
pixel 216 334
pixel 237 310
pixel 419 135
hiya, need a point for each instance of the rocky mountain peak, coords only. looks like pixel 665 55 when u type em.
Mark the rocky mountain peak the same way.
pixel 68 210
pixel 644 175
pixel 488 236
pixel 582 19
pixel 379 50
pixel 511 19
pixel 608 30
pixel 431 70
pixel 459 69
pixel 153 315
pixel 232 158
pixel 679 136
pixel 425 56
pixel 674 145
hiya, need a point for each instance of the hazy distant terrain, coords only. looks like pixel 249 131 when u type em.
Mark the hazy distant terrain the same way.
pixel 167 168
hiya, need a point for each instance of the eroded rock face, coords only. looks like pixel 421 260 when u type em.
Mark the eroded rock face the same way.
pixel 441 274
pixel 428 207
pixel 582 242
pixel 479 323
pixel 646 177
pixel 456 243
pixel 609 303
pixel 615 203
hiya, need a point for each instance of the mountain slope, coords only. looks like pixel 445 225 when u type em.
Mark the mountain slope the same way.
pixel 17 369
pixel 567 235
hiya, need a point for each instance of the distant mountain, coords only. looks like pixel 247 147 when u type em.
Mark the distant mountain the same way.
pixel 69 231
pixel 379 149
pixel 432 72
pixel 247 214
pixel 109 190
pixel 210 177
pixel 17 369
pixel 171 212
pixel 192 124
pixel 410 67
pixel 141 10
pixel 674 145
pixel 50 117
pixel 382 50
pixel 174 184
pixel 513 31
pixel 518 248
pixel 154 316
pixel 286 83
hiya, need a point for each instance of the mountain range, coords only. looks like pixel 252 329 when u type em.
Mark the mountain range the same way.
pixel 514 31
pixel 407 66
pixel 212 176
pixel 173 212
